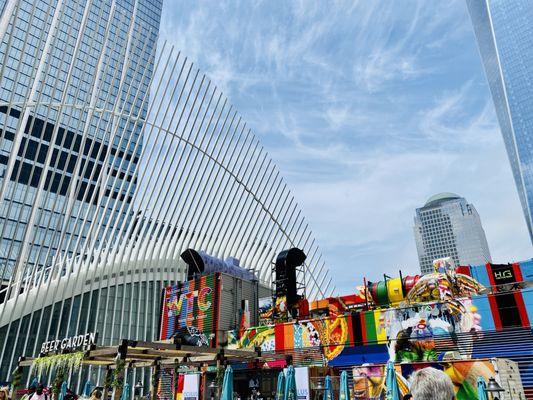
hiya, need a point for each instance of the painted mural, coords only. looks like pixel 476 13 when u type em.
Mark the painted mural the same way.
pixel 437 307
pixel 190 311
pixel 408 334
pixel 369 381
pixel 330 334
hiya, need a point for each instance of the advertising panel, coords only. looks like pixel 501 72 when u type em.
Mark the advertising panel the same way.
pixel 301 376
pixel 191 387
pixel 190 311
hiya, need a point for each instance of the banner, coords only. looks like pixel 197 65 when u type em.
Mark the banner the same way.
pixel 301 375
pixel 190 311
pixel 191 387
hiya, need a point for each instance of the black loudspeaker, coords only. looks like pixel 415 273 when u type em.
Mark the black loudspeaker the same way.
pixel 195 262
pixel 286 263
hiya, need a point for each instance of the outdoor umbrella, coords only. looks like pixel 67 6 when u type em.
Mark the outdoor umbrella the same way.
pixel 344 390
pixel 393 392
pixel 125 392
pixel 63 391
pixel 87 389
pixel 281 386
pixel 290 385
pixel 481 386
pixel 34 383
pixel 327 388
pixel 227 385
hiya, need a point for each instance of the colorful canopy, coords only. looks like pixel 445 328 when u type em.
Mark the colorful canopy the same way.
pixel 290 385
pixel 481 386
pixel 281 386
pixel 125 392
pixel 328 395
pixel 227 385
pixel 87 389
pixel 393 392
pixel 344 390
pixel 63 391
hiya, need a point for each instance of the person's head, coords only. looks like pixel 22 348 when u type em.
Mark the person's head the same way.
pixel 96 394
pixel 39 389
pixel 431 384
pixel 4 393
pixel 408 396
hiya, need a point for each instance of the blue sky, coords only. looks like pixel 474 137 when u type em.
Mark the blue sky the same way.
pixel 368 108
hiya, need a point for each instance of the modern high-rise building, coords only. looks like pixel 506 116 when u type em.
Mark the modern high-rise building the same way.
pixel 504 32
pixel 63 62
pixel 116 155
pixel 448 226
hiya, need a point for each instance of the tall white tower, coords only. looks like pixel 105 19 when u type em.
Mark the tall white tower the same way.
pixel 448 226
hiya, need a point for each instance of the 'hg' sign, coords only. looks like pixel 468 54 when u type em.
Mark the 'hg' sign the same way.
pixel 503 275
pixel 78 342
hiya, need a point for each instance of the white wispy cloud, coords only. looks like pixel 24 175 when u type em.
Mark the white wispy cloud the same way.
pixel 368 108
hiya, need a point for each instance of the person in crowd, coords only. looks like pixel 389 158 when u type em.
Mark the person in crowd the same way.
pixel 39 393
pixel 96 395
pixel 408 396
pixel 4 393
pixel 431 384
pixel 29 393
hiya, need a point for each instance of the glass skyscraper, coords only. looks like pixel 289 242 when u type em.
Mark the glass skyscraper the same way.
pixel 504 32
pixel 448 226
pixel 84 65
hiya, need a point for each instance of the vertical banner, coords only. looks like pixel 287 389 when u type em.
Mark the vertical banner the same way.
pixel 191 387
pixel 301 375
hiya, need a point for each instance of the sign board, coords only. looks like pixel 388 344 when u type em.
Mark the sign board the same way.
pixel 301 375
pixel 503 274
pixel 191 387
pixel 72 343
pixel 190 309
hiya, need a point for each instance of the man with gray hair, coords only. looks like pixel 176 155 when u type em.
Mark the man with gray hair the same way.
pixel 431 384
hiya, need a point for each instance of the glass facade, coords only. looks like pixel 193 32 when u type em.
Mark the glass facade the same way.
pixel 504 32
pixel 86 312
pixel 71 58
pixel 448 226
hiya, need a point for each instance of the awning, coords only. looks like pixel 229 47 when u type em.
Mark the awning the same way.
pixel 358 355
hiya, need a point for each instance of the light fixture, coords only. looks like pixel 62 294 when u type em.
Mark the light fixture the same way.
pixel 494 388
pixel 320 386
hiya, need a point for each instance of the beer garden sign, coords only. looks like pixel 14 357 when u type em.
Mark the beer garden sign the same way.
pixel 69 344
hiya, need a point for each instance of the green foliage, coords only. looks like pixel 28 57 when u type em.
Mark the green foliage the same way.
pixel 155 376
pixel 219 378
pixel 108 380
pixel 118 376
pixel 58 381
pixel 16 378
pixel 68 361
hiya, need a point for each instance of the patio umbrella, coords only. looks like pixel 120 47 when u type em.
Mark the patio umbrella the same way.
pixel 290 385
pixel 281 386
pixel 481 386
pixel 344 390
pixel 227 385
pixel 327 388
pixel 393 392
pixel 63 391
pixel 87 389
pixel 125 392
